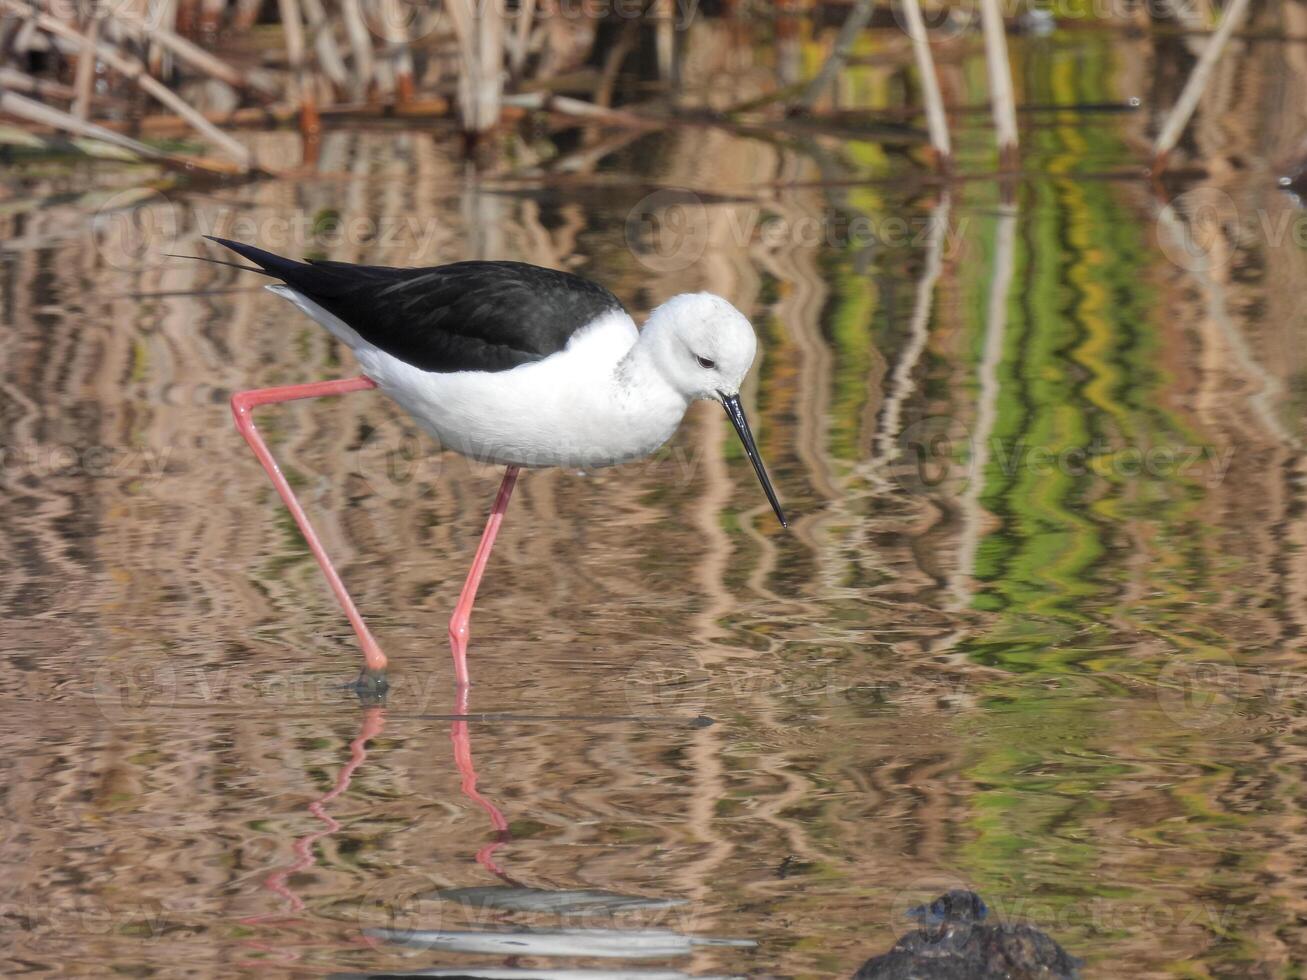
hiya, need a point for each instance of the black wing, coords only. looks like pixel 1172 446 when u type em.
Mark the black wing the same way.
pixel 468 316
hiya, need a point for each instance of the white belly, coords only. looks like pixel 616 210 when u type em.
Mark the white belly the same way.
pixel 566 410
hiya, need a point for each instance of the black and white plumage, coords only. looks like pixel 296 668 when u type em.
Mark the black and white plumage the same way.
pixel 512 363
pixel 466 316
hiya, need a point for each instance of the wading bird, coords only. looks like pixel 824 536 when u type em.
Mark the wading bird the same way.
pixel 511 364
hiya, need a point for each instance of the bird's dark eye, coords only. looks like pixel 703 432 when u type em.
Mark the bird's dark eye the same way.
pixel 704 363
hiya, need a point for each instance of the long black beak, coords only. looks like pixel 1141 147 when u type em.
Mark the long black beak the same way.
pixel 735 412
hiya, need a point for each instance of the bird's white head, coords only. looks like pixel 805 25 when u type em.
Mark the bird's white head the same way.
pixel 701 345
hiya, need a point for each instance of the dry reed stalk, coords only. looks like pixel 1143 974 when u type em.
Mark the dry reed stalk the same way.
pixel 325 47
pixel 211 12
pixel 164 21
pixel 859 17
pixel 665 37
pixel 304 88
pixel 1179 116
pixel 283 112
pixel 613 61
pixel 246 14
pixel 1000 83
pixel 135 72
pixel 190 53
pixel 936 120
pixel 521 45
pixel 16 81
pixel 399 59
pixel 480 30
pixel 43 115
pixel 84 79
pixel 565 106
pixel 360 43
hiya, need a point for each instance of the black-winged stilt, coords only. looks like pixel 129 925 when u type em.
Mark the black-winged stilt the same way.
pixel 507 363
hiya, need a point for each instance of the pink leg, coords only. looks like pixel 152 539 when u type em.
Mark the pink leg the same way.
pixel 463 611
pixel 242 405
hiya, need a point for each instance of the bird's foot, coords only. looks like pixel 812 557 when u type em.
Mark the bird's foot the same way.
pixel 371 686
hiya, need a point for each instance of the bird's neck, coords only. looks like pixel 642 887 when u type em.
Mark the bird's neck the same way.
pixel 639 375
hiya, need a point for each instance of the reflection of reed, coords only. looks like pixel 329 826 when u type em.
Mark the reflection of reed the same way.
pixel 901 383
pixel 982 431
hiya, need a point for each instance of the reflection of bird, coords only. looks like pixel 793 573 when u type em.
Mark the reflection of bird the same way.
pixel 513 364
pixel 954 943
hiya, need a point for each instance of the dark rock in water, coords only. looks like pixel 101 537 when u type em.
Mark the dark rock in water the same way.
pixel 954 943
pixel 957 905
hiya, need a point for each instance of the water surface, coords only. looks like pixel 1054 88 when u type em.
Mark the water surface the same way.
pixel 1036 628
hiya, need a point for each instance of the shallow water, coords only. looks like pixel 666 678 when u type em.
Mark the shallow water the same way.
pixel 1036 628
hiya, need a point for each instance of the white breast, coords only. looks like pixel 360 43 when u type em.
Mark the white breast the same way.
pixel 569 409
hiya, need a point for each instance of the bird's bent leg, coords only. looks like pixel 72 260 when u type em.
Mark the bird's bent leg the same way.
pixel 242 405
pixel 458 632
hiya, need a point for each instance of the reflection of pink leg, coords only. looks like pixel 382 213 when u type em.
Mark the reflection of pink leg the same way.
pixel 461 737
pixel 463 611
pixel 242 405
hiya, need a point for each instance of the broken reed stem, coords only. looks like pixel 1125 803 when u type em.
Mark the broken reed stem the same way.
pixel 936 120
pixel 325 48
pixel 135 72
pixel 188 52
pixel 293 30
pixel 43 115
pixel 1183 110
pixel 480 31
pixel 163 17
pixel 565 106
pixel 859 17
pixel 84 80
pixel 396 28
pixel 356 29
pixel 521 37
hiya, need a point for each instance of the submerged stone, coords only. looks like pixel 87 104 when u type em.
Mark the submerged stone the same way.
pixel 955 944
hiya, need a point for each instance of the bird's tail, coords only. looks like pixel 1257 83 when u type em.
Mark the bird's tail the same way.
pixel 266 263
